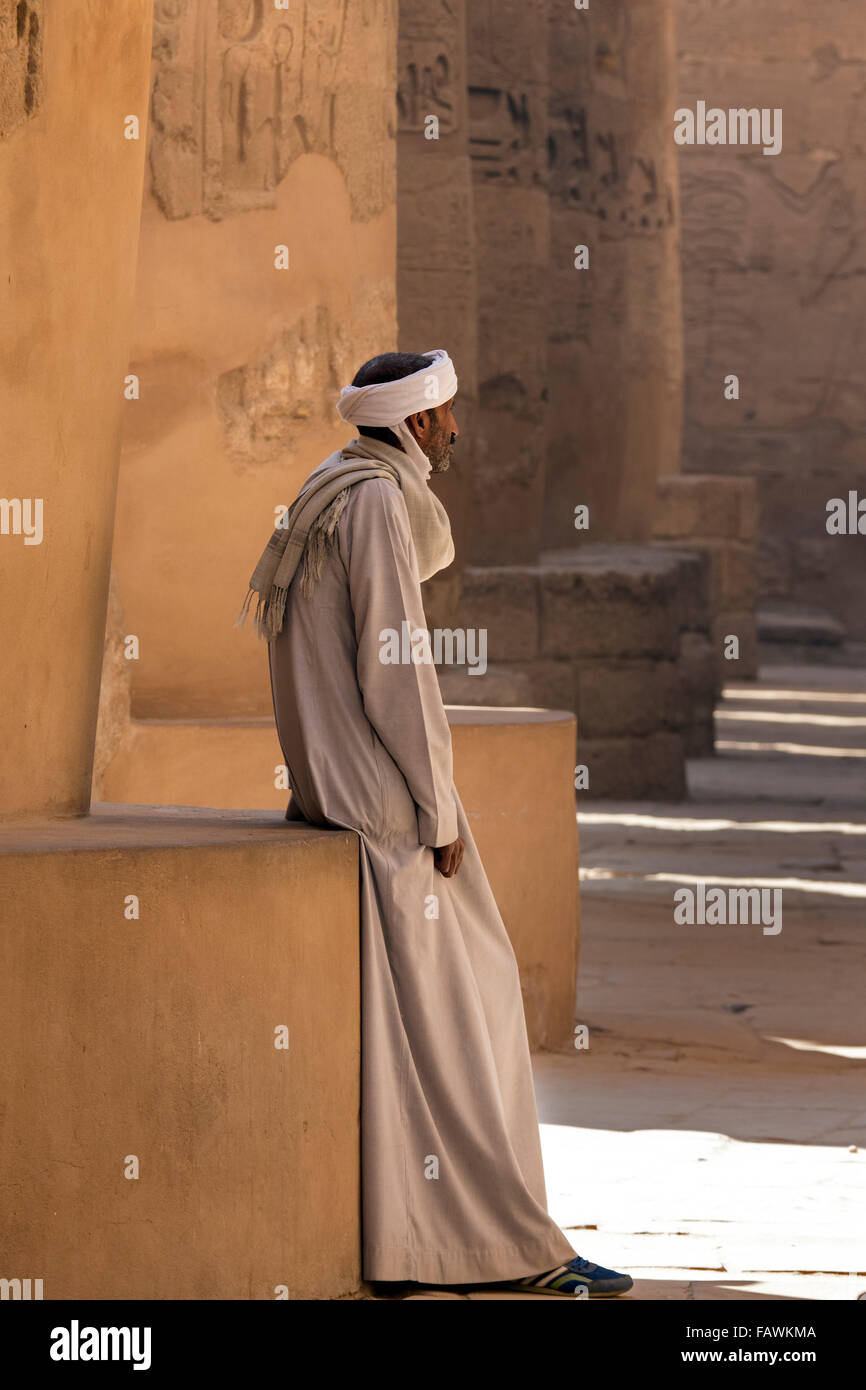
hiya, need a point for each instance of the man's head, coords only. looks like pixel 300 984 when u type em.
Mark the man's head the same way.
pixel 434 430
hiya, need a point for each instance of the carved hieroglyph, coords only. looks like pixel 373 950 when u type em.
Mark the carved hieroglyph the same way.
pixel 20 62
pixel 241 89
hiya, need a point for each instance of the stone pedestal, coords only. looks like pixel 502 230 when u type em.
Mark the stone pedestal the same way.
pixel 156 1142
pixel 614 633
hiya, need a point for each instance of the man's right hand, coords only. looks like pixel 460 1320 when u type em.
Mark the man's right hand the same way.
pixel 448 858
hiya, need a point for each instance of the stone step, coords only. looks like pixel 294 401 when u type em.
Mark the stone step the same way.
pixel 797 625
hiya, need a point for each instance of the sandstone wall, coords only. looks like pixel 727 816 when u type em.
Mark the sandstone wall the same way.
pixel 774 267
pixel 71 73
pixel 269 128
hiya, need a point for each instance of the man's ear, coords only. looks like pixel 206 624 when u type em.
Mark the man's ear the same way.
pixel 416 423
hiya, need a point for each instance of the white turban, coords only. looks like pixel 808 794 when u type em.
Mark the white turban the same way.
pixel 389 403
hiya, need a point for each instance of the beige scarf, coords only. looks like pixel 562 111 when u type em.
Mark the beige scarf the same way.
pixel 307 531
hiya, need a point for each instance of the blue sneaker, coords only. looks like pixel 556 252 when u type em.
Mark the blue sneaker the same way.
pixel 577 1279
pixel 600 1282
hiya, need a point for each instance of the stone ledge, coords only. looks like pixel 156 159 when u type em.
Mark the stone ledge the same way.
pixel 154 1037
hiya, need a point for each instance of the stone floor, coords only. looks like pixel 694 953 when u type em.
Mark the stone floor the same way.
pixel 712 1137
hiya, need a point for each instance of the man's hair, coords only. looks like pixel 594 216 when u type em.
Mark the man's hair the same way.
pixel 388 366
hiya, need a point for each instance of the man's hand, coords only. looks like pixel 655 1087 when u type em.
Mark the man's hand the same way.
pixel 448 858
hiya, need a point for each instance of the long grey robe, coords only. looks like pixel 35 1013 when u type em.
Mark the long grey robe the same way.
pixel 452 1179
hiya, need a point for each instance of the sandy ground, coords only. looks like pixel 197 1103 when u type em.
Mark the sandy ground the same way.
pixel 711 1139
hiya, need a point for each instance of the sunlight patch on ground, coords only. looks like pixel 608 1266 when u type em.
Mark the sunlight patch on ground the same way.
pixel 796 885
pixel 801 749
pixel 688 824
pixel 762 716
pixel 856 1054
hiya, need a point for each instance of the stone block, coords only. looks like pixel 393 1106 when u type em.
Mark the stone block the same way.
pixel 610 601
pixel 731 573
pixel 550 684
pixel 499 686
pixel 691 582
pixel 698 505
pixel 154 1037
pixel 618 698
pixel 504 600
pixel 700 684
pixel 636 769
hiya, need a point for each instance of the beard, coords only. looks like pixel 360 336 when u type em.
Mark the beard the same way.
pixel 440 449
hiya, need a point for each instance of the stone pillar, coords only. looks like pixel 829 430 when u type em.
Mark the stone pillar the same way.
pixel 436 280
pixel 508 133
pixel 73 84
pixel 270 128
pixel 615 350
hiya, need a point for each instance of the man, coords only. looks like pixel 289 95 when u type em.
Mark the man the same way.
pixel 452 1179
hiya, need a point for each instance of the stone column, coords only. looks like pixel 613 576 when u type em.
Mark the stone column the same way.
pixel 615 333
pixel 508 133
pixel 271 128
pixel 436 278
pixel 73 109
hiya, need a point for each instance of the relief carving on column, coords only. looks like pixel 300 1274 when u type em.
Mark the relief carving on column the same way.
pixel 20 62
pixel 240 91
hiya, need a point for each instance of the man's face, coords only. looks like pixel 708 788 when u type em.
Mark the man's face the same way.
pixel 436 432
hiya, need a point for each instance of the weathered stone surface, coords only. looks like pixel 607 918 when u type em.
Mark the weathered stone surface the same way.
pixel 174 1058
pixel 732 581
pixel 507 46
pixel 615 335
pixel 550 684
pixel 774 273
pixel 500 686
pixel 504 600
pixel 69 217
pixel 691 505
pixel 436 249
pixel 242 89
pixel 21 62
pixel 115 693
pixel 612 601
pixel 635 768
pixel 616 698
pixel 700 679
pixel 797 624
pixel 271 128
